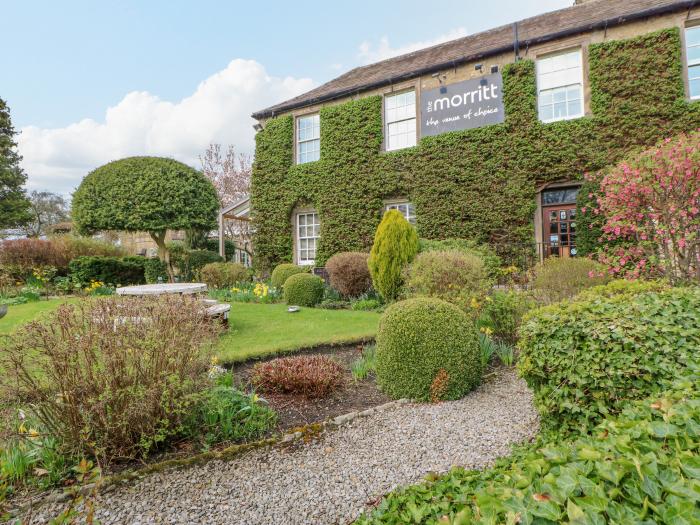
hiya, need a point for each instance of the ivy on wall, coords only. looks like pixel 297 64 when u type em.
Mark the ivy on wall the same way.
pixel 477 184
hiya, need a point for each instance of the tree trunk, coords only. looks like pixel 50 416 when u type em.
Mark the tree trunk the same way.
pixel 163 253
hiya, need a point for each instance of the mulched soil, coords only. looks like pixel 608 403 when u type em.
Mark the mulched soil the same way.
pixel 295 411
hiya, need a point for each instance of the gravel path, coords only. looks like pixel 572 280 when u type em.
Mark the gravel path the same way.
pixel 330 481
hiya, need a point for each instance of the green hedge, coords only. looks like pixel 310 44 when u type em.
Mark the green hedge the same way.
pixel 477 184
pixel 120 271
pixel 154 269
pixel 420 340
pixel 588 357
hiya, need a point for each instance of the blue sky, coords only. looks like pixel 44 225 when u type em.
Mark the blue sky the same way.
pixel 91 81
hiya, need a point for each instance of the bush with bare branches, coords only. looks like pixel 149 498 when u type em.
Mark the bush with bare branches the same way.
pixel 113 377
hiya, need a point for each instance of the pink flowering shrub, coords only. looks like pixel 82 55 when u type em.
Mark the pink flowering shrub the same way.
pixel 651 209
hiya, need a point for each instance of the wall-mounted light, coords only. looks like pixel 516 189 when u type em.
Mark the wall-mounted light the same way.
pixel 257 127
pixel 478 67
pixel 494 69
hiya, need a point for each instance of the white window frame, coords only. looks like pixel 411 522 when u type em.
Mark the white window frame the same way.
pixel 316 137
pixel 407 209
pixel 401 118
pixel 690 63
pixel 576 80
pixel 314 237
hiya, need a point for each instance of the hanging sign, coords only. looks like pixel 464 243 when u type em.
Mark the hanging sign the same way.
pixel 463 105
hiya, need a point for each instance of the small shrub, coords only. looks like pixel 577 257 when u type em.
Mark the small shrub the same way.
pixel 154 271
pixel 419 337
pixel 561 278
pixel 303 289
pixel 492 262
pixel 505 353
pixel 503 312
pixel 349 274
pixel 588 357
pixel 282 272
pixel 452 276
pixel 195 260
pixel 366 304
pixel 229 415
pixel 223 275
pixel 395 245
pixel 487 348
pixel 308 376
pixel 366 364
pixel 113 377
pixel 111 270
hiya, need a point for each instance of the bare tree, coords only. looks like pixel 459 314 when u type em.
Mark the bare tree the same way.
pixel 46 209
pixel 230 174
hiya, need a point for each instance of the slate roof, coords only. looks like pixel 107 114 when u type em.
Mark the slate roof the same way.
pixel 594 14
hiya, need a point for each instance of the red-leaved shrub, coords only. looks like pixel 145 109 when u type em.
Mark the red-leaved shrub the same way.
pixel 349 274
pixel 309 376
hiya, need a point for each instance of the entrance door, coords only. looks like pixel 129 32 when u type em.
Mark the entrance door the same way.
pixel 560 230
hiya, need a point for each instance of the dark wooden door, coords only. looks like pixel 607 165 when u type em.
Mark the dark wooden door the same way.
pixel 559 230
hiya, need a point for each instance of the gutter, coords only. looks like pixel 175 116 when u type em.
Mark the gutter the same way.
pixel 610 22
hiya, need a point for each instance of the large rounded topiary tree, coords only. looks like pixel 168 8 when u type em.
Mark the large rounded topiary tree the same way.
pixel 427 349
pixel 151 194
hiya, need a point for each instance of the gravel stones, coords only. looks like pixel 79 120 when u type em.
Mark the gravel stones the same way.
pixel 332 480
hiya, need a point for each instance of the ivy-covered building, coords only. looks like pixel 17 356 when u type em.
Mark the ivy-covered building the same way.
pixel 486 137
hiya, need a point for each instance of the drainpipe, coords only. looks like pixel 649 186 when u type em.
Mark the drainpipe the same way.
pixel 516 42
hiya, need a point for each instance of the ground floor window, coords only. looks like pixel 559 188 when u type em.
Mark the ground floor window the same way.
pixel 308 231
pixel 559 222
pixel 407 209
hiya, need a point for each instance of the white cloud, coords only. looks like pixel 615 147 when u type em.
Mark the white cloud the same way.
pixel 374 52
pixel 56 159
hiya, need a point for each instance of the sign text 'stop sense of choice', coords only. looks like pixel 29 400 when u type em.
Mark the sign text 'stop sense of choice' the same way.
pixel 462 105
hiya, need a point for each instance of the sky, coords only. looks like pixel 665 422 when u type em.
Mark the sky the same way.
pixel 88 82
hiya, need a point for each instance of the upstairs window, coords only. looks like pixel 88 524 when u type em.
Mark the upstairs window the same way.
pixel 560 86
pixel 400 118
pixel 308 139
pixel 407 209
pixel 308 233
pixel 692 47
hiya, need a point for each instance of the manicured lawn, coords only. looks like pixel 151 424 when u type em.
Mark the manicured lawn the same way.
pixel 23 313
pixel 263 329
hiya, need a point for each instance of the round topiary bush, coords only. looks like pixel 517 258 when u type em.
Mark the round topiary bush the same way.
pixel 284 271
pixel 303 289
pixel 223 275
pixel 450 275
pixel 349 274
pixel 427 349
pixel 589 357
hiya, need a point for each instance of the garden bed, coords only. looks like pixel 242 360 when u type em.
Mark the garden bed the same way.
pixel 295 411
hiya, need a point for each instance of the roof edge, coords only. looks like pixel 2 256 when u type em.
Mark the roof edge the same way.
pixel 609 22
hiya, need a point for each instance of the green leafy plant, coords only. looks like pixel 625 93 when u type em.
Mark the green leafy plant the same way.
pixel 487 348
pixel 189 263
pixel 503 312
pixel 641 467
pixel 303 289
pixel 366 364
pixel 588 357
pixel 366 304
pixel 308 376
pixel 155 271
pixel 229 415
pixel 505 353
pixel 452 276
pixel 492 262
pixel 395 245
pixel 258 292
pixel 120 271
pixel 419 337
pixel 282 272
pixel 349 274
